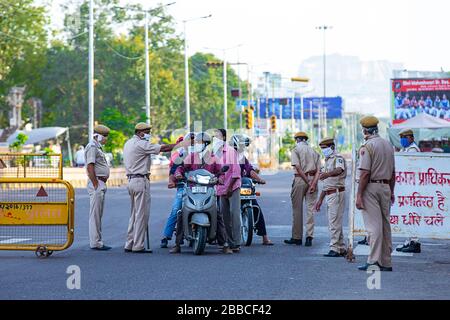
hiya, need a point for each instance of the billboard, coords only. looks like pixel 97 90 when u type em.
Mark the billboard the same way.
pixel 422 194
pixel 409 97
pixel 333 106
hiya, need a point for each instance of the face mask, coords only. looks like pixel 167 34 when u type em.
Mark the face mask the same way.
pixel 198 148
pixel 191 149
pixel 147 136
pixel 217 144
pixel 100 138
pixel 327 152
pixel 404 142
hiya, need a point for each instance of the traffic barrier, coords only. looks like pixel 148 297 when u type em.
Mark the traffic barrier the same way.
pixel 36 204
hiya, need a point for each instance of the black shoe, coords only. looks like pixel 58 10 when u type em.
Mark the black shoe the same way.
pixel 333 254
pixel 368 265
pixel 298 242
pixel 343 253
pixel 103 248
pixel 164 243
pixel 143 251
pixel 127 250
pixel 308 242
pixel 405 245
pixel 363 241
pixel 413 247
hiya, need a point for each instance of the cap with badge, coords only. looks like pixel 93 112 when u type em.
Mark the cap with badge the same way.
pixel 369 121
pixel 101 129
pixel 406 133
pixel 301 135
pixel 326 142
pixel 141 126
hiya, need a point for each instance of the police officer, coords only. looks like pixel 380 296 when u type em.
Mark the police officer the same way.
pixel 409 145
pixel 376 193
pixel 137 159
pixel 98 173
pixel 306 163
pixel 333 191
pixel 407 141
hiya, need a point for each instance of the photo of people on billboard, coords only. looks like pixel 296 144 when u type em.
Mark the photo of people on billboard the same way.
pixel 411 97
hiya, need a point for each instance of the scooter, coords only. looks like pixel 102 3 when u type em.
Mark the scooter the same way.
pixel 199 210
pixel 248 194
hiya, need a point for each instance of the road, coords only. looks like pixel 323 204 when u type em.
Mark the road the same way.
pixel 258 272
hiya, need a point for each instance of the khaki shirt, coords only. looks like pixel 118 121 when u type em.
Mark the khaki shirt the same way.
pixel 136 155
pixel 412 148
pixel 93 153
pixel 305 156
pixel 331 163
pixel 377 156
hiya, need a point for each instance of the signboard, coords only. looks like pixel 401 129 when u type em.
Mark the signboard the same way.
pixel 333 106
pixel 33 213
pixel 422 197
pixel 409 97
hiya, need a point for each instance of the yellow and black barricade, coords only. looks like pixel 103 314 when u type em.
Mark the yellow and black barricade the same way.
pixel 36 204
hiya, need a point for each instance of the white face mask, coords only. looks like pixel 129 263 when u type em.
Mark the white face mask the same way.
pixel 217 143
pixel 327 152
pixel 99 137
pixel 191 149
pixel 147 136
pixel 198 148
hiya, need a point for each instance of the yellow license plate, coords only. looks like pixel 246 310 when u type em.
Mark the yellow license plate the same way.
pixel 246 192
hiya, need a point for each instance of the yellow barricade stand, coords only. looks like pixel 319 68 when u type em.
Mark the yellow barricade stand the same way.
pixel 36 204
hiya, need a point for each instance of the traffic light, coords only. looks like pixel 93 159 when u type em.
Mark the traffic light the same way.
pixel 214 64
pixel 248 113
pixel 235 93
pixel 273 123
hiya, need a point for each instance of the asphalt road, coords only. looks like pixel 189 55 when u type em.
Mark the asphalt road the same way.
pixel 258 272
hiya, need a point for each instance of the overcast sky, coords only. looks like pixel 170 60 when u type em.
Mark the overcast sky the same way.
pixel 276 35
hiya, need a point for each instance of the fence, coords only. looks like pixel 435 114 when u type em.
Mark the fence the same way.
pixel 36 204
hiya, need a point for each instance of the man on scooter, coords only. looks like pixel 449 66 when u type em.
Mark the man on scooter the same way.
pixel 240 142
pixel 201 158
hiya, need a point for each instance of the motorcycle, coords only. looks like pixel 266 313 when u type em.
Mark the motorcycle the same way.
pixel 199 209
pixel 248 208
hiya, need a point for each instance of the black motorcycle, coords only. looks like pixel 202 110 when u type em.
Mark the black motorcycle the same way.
pixel 250 211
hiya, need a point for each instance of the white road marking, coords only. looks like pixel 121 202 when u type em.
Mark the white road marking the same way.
pixel 14 240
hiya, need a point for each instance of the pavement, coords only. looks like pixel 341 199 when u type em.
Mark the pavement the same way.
pixel 257 272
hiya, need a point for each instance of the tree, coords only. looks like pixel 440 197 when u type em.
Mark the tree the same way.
pixel 23 41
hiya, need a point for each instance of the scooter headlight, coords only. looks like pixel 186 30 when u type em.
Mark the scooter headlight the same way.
pixel 203 179
pixel 246 191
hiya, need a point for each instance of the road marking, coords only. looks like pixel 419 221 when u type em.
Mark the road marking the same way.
pixel 14 240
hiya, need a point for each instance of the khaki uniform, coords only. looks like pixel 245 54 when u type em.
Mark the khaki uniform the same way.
pixel 137 160
pixel 335 201
pixel 411 148
pixel 377 156
pixel 309 160
pixel 94 154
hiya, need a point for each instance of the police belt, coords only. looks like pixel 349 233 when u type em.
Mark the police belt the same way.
pixel 332 191
pixel 311 173
pixel 133 176
pixel 381 181
pixel 104 179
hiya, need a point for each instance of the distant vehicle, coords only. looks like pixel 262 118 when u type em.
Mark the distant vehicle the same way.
pixel 160 160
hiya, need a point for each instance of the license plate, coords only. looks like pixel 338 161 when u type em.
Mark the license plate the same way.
pixel 199 189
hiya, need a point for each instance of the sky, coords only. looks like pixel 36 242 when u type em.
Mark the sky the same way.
pixel 277 35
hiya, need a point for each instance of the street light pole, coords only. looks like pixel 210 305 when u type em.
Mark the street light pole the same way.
pixel 225 91
pixel 186 82
pixel 147 71
pixel 91 70
pixel 186 73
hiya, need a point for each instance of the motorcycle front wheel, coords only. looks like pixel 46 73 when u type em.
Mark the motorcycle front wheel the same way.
pixel 200 235
pixel 247 226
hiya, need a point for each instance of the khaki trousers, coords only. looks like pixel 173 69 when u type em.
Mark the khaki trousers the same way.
pixel 139 191
pixel 376 215
pixel 335 208
pixel 96 205
pixel 230 208
pixel 299 193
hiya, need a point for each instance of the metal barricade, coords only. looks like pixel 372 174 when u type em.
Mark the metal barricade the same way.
pixel 36 204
